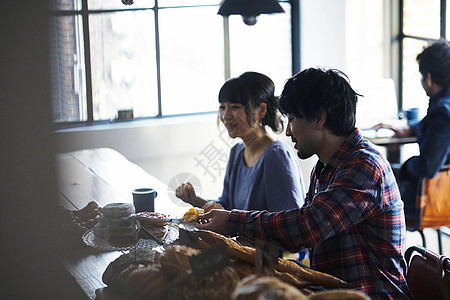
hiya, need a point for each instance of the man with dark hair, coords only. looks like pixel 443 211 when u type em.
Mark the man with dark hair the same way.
pixel 352 219
pixel 433 131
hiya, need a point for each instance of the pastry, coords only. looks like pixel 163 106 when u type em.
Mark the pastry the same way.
pixel 154 222
pixel 138 257
pixel 123 235
pixel 265 287
pixel 175 259
pixel 157 232
pixel 118 210
pixel 122 228
pixel 101 231
pixel 89 212
pixel 147 283
pixel 74 223
pixel 152 218
pixel 243 269
pixel 107 221
pixel 218 286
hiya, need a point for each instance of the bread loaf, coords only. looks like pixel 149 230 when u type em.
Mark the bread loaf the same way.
pixel 147 283
pixel 243 269
pixel 175 259
pixel 141 256
pixel 217 286
pixel 266 287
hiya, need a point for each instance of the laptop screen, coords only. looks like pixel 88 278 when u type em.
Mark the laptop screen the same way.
pixel 378 104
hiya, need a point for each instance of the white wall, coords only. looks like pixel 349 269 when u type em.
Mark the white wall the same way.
pixel 166 148
pixel 349 35
pixel 323 33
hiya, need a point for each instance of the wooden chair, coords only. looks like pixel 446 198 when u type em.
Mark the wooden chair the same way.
pixel 428 274
pixel 432 206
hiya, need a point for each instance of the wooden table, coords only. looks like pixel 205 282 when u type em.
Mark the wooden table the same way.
pixel 393 146
pixel 105 176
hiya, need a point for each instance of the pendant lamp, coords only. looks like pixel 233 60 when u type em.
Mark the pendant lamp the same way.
pixel 249 9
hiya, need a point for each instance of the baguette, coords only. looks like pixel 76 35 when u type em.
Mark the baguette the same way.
pixel 339 294
pixel 247 254
pixel 313 276
pixel 291 279
pixel 235 249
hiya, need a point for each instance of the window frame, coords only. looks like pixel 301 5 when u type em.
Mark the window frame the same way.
pixel 84 13
pixel 402 36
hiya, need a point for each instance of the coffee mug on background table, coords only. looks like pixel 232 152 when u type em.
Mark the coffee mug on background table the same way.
pixel 144 199
pixel 412 115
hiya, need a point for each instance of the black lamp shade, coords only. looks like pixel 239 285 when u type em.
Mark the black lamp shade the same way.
pixel 249 7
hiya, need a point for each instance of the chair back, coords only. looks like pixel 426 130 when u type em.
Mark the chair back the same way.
pixel 428 274
pixel 434 200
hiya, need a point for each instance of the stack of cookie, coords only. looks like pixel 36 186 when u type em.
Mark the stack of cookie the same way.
pixel 154 222
pixel 117 225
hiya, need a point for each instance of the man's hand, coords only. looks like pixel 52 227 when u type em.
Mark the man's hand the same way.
pixel 400 130
pixel 216 220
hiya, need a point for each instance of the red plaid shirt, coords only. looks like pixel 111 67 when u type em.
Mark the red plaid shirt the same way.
pixel 352 220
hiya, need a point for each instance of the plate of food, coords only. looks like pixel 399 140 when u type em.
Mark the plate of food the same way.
pixel 134 231
pixel 102 244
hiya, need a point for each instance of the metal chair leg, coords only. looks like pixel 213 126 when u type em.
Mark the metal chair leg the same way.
pixel 439 240
pixel 424 242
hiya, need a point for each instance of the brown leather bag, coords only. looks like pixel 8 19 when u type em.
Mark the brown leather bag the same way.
pixel 434 200
pixel 428 274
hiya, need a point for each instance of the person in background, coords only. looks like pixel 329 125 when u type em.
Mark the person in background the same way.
pixel 262 172
pixel 433 131
pixel 352 218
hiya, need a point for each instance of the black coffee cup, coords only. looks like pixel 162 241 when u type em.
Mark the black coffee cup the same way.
pixel 144 199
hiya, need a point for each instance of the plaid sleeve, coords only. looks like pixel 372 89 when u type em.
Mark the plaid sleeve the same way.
pixel 276 228
pixel 236 222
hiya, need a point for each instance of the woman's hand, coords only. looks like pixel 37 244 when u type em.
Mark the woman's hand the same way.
pixel 211 205
pixel 186 193
pixel 216 220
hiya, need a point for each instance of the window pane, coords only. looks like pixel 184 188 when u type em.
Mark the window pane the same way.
pixel 172 3
pixel 413 93
pixel 422 18
pixel 264 47
pixel 117 4
pixel 67 69
pixel 191 59
pixel 123 64
pixel 64 4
